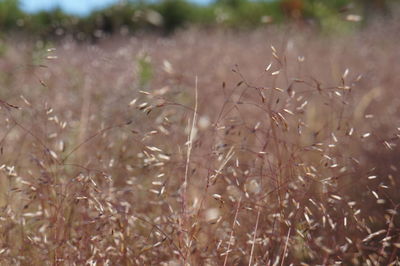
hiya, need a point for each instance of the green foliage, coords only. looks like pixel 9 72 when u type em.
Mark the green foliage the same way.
pixel 144 69
pixel 249 14
pixel 47 23
pixel 328 15
pixel 232 3
pixel 112 19
pixel 204 15
pixel 169 15
pixel 175 13
pixel 3 48
pixel 10 14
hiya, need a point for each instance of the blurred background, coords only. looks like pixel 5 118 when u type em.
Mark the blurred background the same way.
pixel 90 19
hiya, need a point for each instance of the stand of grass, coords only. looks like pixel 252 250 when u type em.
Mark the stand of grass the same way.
pixel 290 157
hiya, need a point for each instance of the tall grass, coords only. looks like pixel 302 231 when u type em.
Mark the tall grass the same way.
pixel 283 152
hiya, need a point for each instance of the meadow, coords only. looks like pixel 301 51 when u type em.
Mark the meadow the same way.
pixel 275 146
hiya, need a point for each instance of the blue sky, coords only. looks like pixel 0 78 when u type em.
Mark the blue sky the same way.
pixel 77 7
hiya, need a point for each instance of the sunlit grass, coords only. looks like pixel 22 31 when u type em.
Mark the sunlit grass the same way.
pixel 291 158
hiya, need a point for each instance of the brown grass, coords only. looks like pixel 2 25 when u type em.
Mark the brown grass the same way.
pixel 288 155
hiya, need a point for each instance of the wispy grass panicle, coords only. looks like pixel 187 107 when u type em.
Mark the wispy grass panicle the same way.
pixel 293 160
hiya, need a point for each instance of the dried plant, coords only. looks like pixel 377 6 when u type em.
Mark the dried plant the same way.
pixel 289 158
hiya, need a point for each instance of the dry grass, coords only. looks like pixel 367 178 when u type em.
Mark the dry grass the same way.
pixel 288 155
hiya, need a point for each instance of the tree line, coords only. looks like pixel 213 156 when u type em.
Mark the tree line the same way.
pixel 166 16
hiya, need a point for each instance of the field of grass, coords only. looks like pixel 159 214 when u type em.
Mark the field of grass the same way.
pixel 269 147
